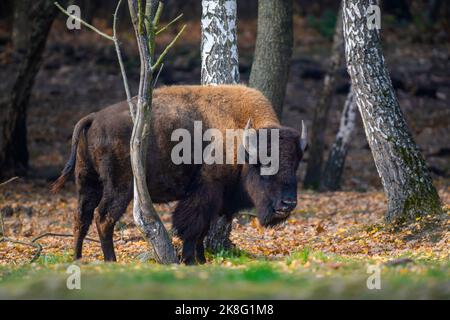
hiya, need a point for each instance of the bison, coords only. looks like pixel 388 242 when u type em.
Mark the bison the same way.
pixel 100 161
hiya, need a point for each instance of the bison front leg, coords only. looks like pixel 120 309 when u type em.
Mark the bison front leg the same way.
pixel 200 250
pixel 192 218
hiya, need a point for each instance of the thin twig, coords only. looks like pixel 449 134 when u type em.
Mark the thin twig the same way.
pixel 2 225
pixel 158 13
pixel 30 244
pixel 63 235
pixel 168 25
pixel 141 18
pixel 8 181
pixel 83 22
pixel 120 59
pixel 157 76
pixel 116 42
pixel 164 53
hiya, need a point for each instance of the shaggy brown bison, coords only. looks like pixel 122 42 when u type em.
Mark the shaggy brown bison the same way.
pixel 100 159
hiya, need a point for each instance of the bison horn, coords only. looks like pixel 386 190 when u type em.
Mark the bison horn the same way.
pixel 303 137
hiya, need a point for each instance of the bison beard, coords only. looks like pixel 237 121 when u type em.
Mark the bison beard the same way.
pixel 100 161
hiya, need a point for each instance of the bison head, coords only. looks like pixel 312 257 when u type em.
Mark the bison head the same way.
pixel 275 194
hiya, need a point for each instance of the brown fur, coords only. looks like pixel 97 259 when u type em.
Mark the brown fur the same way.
pixel 101 161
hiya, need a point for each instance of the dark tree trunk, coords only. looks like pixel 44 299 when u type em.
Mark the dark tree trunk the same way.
pixel 319 125
pixel 274 41
pixel 403 171
pixel 7 10
pixel 332 174
pixel 399 8
pixel 21 25
pixel 434 7
pixel 13 142
pixel 219 66
pixel 89 9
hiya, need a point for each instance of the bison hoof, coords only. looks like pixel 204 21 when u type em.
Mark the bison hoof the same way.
pixel 201 259
pixel 189 261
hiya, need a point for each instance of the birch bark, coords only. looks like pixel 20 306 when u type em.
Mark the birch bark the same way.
pixel 403 171
pixel 220 62
pixel 334 167
pixel 220 65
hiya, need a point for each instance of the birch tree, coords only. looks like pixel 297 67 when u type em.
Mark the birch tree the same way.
pixel 272 60
pixel 403 171
pixel 220 65
pixel 334 167
pixel 220 62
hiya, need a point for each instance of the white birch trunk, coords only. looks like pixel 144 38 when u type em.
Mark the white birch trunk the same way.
pixel 403 171
pixel 220 65
pixel 332 174
pixel 220 62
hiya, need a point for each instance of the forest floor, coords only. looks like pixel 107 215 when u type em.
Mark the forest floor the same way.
pixel 322 251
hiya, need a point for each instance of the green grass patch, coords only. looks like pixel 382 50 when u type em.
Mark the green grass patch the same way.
pixel 300 255
pixel 230 274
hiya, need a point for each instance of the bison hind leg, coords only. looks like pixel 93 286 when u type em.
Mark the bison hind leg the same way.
pixel 113 205
pixel 192 218
pixel 89 195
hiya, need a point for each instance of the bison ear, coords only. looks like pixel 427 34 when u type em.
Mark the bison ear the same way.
pixel 303 137
pixel 249 138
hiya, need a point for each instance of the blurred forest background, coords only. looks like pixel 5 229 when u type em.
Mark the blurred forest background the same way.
pixel 80 74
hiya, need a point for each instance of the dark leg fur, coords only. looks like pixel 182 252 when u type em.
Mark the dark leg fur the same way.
pixel 117 193
pixel 89 194
pixel 191 220
pixel 105 228
pixel 112 207
pixel 200 251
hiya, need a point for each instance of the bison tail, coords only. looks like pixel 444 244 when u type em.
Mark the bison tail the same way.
pixel 83 124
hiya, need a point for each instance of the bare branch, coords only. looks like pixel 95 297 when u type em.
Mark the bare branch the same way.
pixel 30 244
pixel 168 25
pixel 83 22
pixel 157 76
pixel 2 225
pixel 164 53
pixel 141 18
pixel 116 42
pixel 158 14
pixel 63 235
pixel 121 64
pixel 8 181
